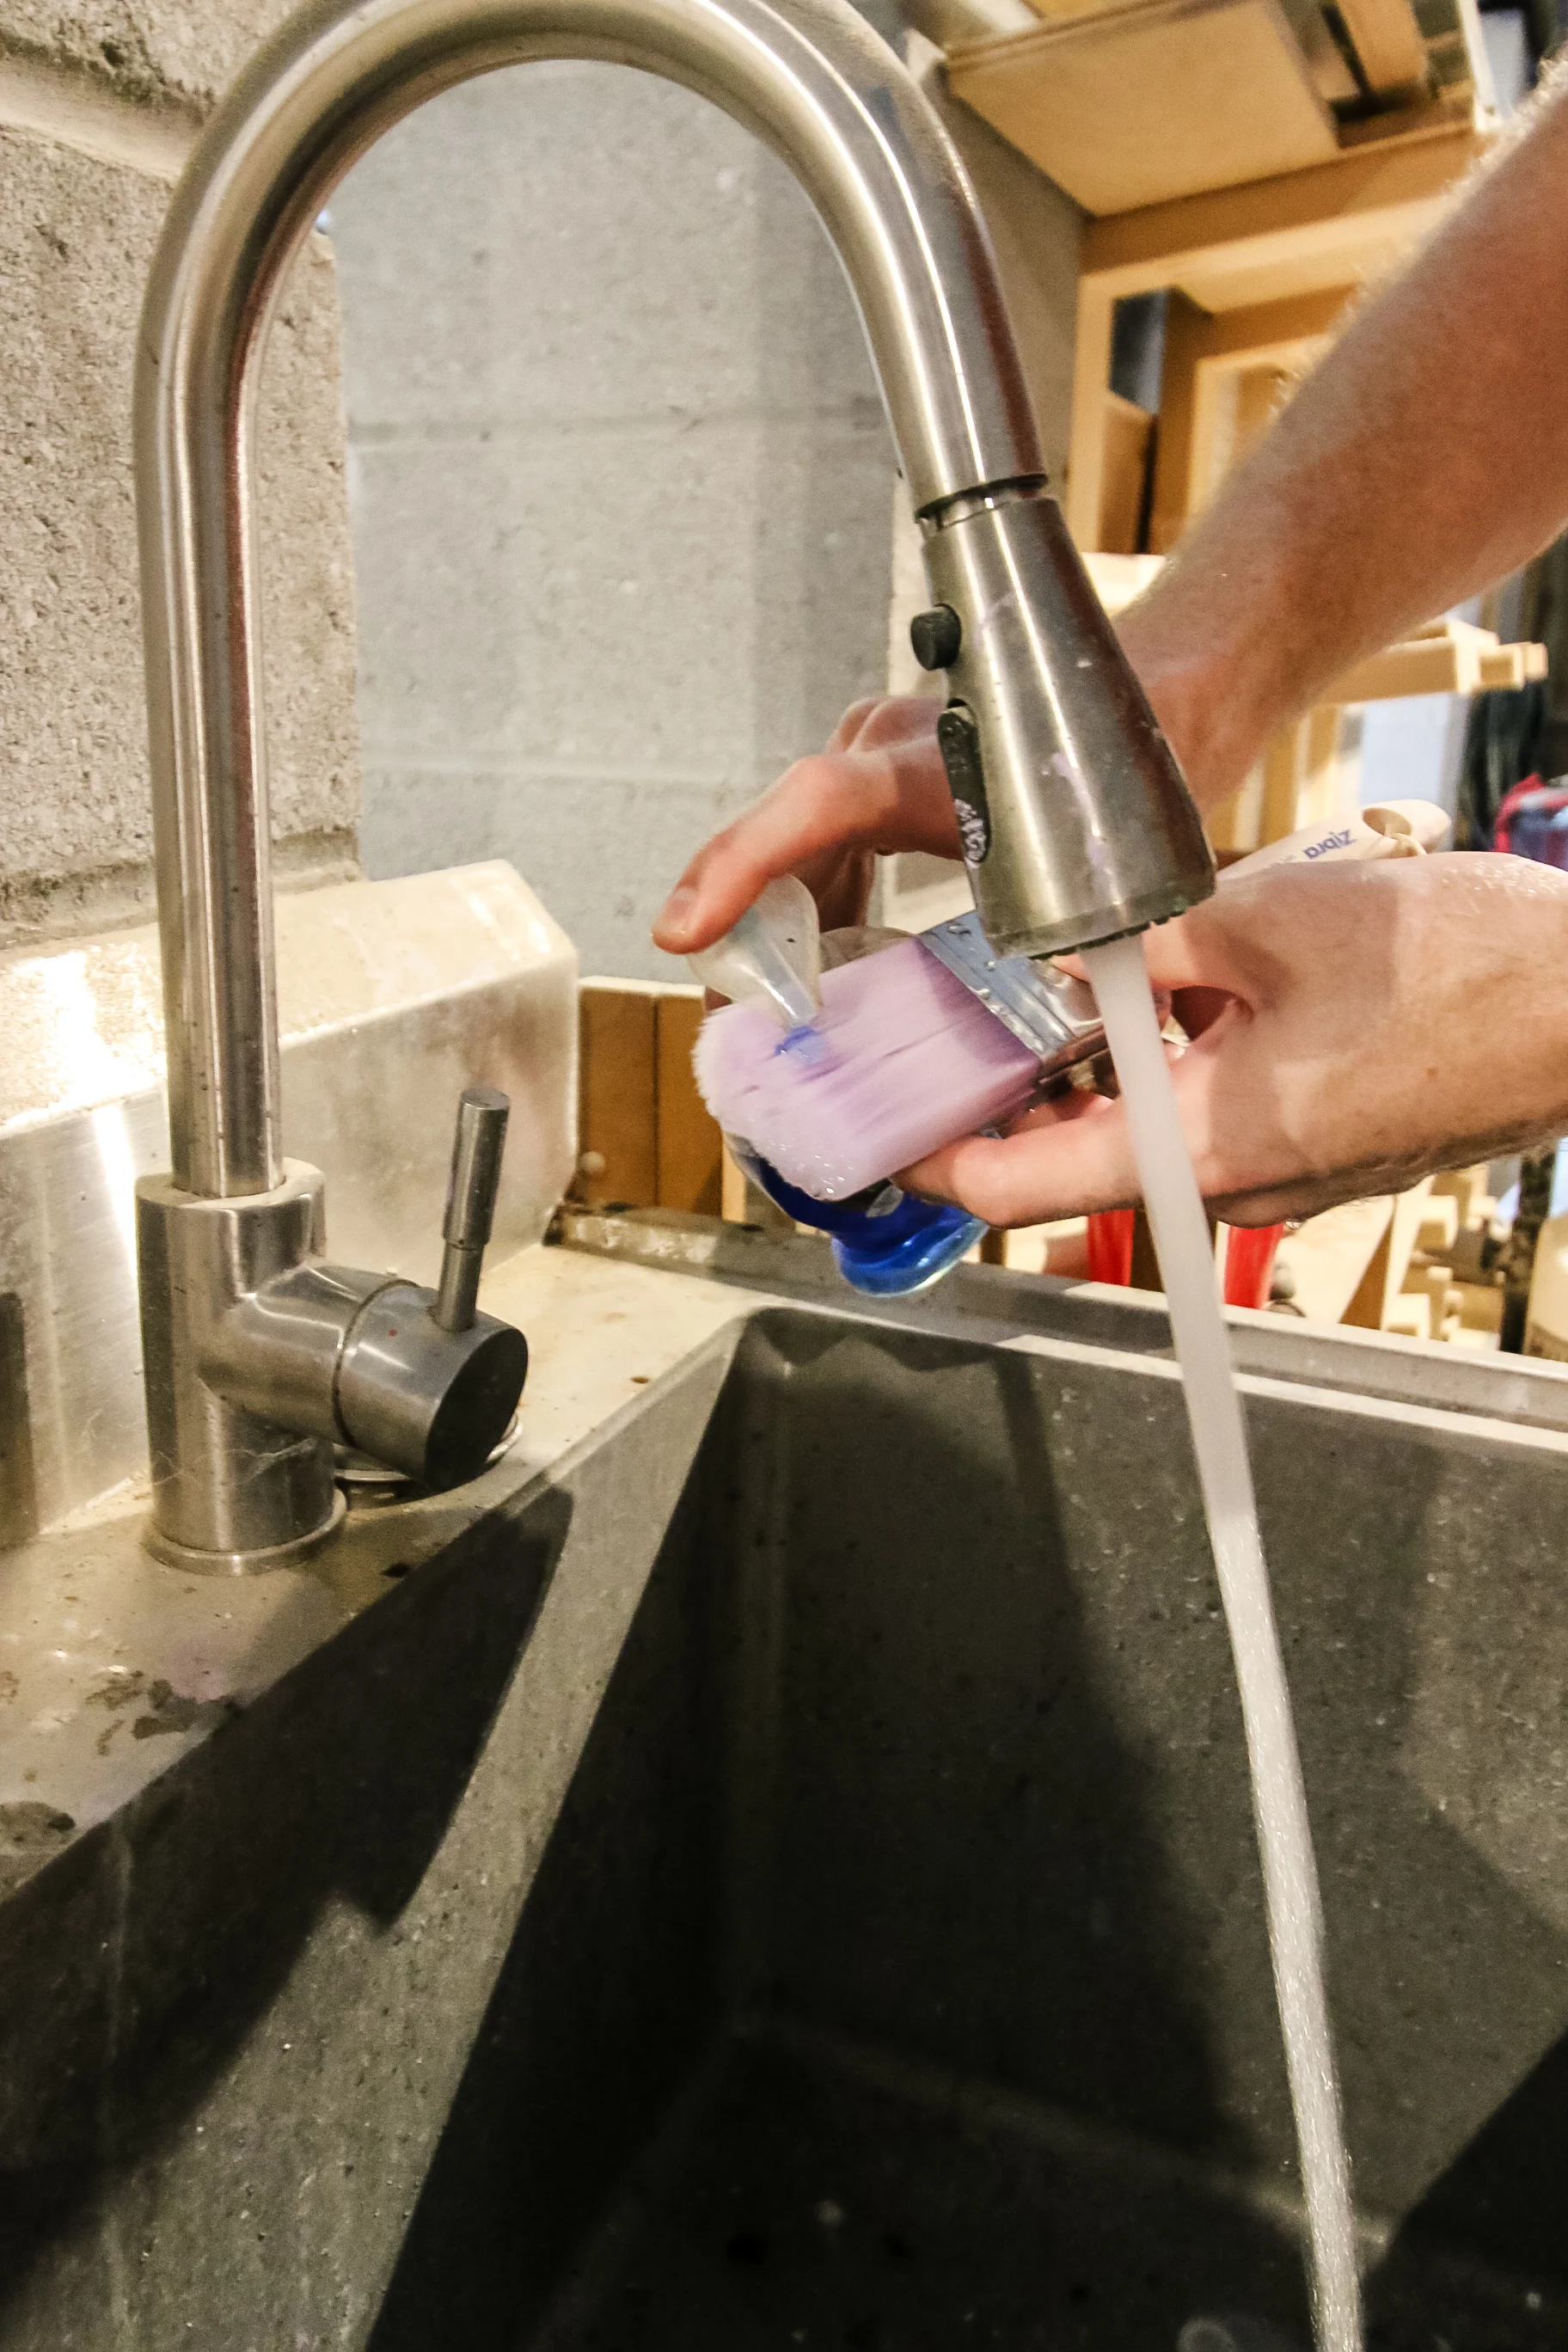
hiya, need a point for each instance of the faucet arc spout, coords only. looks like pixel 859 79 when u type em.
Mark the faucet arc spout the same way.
pixel 808 77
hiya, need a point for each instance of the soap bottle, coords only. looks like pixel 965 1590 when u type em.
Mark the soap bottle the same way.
pixel 886 1242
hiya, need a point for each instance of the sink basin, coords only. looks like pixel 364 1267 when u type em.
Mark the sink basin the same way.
pixel 789 1880
pixel 896 1973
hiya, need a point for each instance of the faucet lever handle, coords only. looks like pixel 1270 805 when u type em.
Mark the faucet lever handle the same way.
pixel 477 1148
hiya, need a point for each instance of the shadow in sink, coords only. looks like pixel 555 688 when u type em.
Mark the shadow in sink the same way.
pixel 895 1975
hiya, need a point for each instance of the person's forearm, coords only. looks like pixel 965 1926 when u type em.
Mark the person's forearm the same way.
pixel 1426 458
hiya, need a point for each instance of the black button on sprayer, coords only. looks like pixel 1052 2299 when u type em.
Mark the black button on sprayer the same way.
pixel 936 638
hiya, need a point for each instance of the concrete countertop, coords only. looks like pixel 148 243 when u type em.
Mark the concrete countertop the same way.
pixel 111 1666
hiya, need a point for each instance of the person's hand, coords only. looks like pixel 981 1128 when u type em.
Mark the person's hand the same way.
pixel 879 787
pixel 1354 1027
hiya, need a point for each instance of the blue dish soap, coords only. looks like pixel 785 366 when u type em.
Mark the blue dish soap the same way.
pixel 886 1242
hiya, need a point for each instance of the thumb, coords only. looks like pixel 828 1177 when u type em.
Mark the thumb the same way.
pixel 1054 1166
pixel 1197 949
pixel 1071 1157
pixel 1202 948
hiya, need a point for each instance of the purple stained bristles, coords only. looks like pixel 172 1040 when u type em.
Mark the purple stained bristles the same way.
pixel 900 1060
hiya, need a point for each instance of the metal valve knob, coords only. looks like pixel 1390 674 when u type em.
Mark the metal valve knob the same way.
pixel 416 1379
pixel 472 1189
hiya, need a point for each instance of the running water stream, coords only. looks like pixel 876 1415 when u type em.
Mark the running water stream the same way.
pixel 1279 1798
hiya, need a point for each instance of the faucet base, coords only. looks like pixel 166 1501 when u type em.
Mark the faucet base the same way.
pixel 233 1488
pixel 192 1562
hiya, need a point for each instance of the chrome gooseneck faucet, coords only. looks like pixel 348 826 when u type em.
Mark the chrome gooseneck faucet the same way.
pixel 1075 820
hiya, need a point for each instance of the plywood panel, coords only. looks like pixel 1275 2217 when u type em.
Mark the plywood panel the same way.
pixel 619 1117
pixel 1325 226
pixel 1277 327
pixel 1187 332
pixel 1138 105
pixel 690 1144
pixel 1387 39
pixel 1091 382
pixel 1129 431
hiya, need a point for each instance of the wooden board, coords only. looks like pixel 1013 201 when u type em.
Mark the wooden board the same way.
pixel 1447 656
pixel 1129 431
pixel 1137 105
pixel 1450 658
pixel 645 1138
pixel 1382 1283
pixel 1234 246
pixel 1387 39
pixel 1226 372
pixel 1330 1254
pixel 690 1146
pixel 617 1116
pixel 1332 229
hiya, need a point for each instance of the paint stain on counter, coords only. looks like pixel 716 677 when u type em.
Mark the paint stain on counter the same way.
pixel 164 1709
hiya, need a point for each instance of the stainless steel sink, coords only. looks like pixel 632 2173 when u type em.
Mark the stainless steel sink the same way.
pixel 789 1881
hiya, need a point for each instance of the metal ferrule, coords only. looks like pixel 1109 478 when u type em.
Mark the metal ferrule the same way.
pixel 1053 1014
pixel 1075 822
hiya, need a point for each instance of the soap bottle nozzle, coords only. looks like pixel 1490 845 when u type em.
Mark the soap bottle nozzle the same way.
pixel 773 952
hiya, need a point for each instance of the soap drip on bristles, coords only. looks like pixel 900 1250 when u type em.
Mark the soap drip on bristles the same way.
pixel 805 1039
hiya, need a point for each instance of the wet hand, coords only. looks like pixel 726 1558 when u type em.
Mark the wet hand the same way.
pixel 1354 1028
pixel 880 787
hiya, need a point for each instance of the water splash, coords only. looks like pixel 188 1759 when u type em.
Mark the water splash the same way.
pixel 1279 1798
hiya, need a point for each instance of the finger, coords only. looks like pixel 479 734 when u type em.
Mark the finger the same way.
pixel 1062 1167
pixel 1073 1102
pixel 840 881
pixel 1068 1165
pixel 823 803
pixel 1198 951
pixel 846 736
pixel 831 802
pixel 886 722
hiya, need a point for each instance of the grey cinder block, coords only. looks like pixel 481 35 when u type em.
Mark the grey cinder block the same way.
pixel 621 486
pixel 75 237
pixel 147 47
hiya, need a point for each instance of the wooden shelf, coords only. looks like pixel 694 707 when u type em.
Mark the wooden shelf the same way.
pixel 1239 255
pixel 1129 103
pixel 1132 105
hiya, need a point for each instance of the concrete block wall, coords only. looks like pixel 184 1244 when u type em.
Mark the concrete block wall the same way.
pixel 622 487
pixel 98 103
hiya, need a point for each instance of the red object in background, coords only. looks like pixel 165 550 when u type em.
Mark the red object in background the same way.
pixel 1510 805
pixel 1110 1245
pixel 1249 1263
